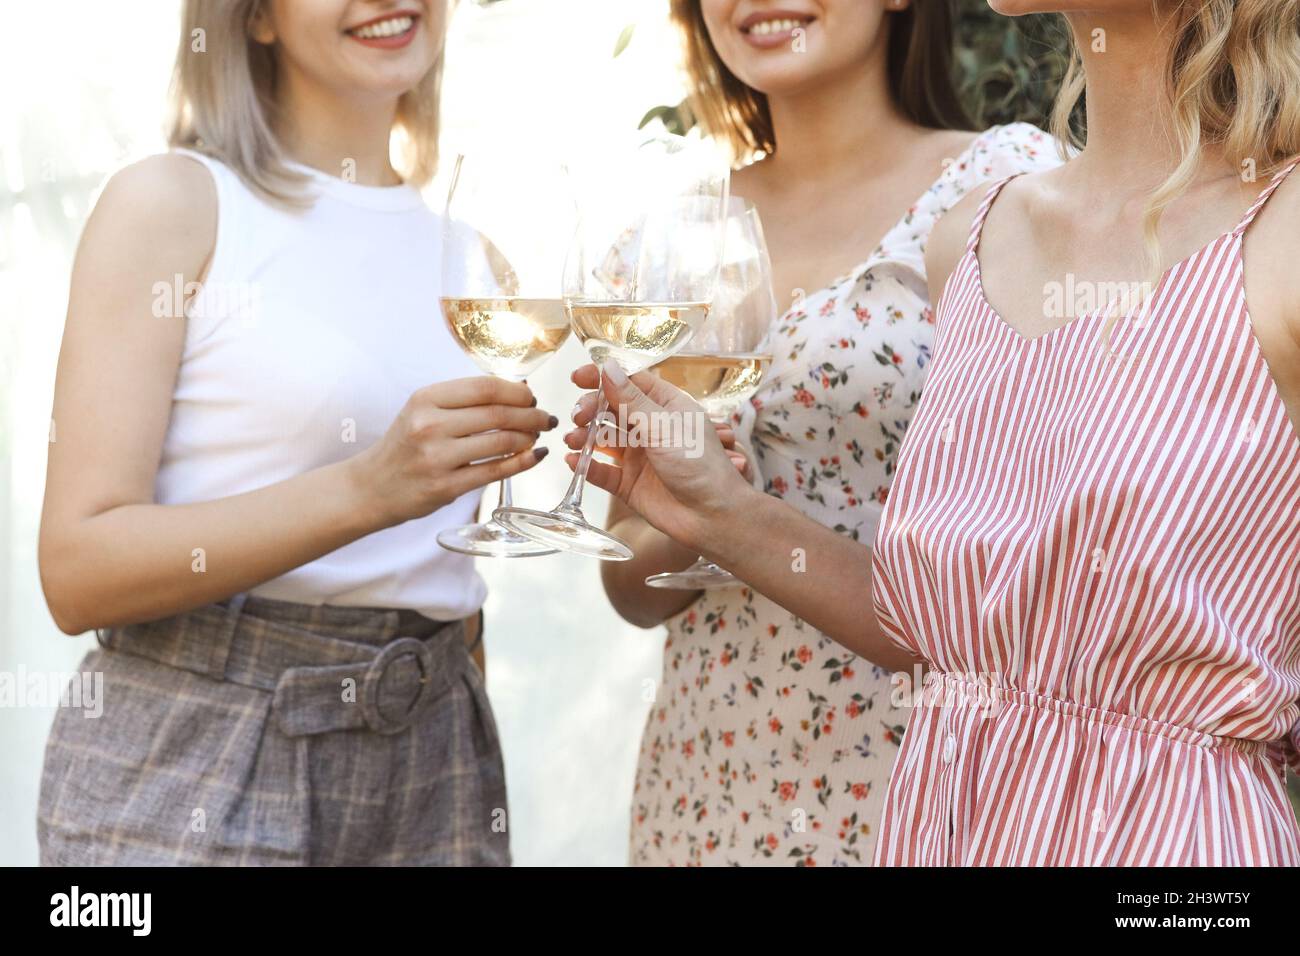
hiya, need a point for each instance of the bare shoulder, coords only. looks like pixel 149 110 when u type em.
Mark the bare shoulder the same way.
pixel 165 183
pixel 166 202
pixel 154 220
pixel 1272 247
pixel 947 240
pixel 1016 204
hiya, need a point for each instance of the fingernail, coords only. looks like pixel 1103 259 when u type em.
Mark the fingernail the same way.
pixel 573 415
pixel 540 453
pixel 551 422
pixel 533 403
pixel 614 373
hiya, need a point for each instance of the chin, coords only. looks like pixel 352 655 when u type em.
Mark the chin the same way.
pixel 389 79
pixel 1020 8
pixel 784 76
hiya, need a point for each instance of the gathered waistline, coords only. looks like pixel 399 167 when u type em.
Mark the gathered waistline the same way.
pixel 939 685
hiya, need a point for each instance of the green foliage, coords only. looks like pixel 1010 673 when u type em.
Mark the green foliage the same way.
pixel 1009 68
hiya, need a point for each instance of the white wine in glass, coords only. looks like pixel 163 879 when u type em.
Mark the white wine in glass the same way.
pixel 727 358
pixel 507 336
pixel 721 383
pixel 504 234
pixel 636 335
pixel 638 283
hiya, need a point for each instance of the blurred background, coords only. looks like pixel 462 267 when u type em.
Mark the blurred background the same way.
pixel 566 676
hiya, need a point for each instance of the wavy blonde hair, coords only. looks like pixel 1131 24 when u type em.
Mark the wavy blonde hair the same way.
pixel 223 104
pixel 1233 82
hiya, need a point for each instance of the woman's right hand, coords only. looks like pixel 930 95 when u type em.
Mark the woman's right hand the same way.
pixel 427 458
pixel 679 490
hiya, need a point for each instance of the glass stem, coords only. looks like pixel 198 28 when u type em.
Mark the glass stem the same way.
pixel 572 503
pixel 504 497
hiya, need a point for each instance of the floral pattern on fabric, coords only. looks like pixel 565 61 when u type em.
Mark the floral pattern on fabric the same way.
pixel 768 742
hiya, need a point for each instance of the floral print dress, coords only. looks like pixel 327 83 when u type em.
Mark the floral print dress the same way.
pixel 768 743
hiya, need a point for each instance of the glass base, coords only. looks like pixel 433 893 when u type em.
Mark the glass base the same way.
pixel 702 575
pixel 491 540
pixel 564 531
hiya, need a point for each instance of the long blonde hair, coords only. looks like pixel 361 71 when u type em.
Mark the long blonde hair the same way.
pixel 1233 82
pixel 223 103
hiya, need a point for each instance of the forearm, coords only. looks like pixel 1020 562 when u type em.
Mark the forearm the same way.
pixel 140 562
pixel 653 553
pixel 813 572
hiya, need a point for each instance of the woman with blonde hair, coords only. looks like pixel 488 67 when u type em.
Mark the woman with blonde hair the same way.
pixel 769 742
pixel 1092 543
pixel 262 426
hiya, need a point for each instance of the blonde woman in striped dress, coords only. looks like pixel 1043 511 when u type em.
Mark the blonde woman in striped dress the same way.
pixel 1092 543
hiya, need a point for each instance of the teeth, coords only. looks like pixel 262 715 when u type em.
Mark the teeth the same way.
pixel 768 27
pixel 384 28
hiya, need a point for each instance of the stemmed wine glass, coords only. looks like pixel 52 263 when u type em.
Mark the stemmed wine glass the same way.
pixel 638 281
pixel 728 356
pixel 504 233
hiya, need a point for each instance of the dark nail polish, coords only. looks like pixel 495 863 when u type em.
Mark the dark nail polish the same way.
pixel 540 453
pixel 552 422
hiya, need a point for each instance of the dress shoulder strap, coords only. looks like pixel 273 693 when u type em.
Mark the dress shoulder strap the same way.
pixel 977 226
pixel 1264 196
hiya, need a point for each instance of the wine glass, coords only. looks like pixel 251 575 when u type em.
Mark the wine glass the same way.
pixel 503 238
pixel 728 356
pixel 638 281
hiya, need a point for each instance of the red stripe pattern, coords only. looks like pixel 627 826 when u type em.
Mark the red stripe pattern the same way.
pixel 1098 552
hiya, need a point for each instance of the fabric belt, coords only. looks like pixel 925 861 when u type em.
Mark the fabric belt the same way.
pixel 327 668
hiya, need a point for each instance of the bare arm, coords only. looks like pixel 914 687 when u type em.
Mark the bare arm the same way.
pixel 676 511
pixel 707 507
pixel 108 554
pixel 653 552
pixel 947 242
pixel 811 571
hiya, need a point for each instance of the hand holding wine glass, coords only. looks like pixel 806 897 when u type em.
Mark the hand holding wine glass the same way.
pixel 589 376
pixel 449 439
pixel 728 356
pixel 504 233
pixel 676 488
pixel 638 280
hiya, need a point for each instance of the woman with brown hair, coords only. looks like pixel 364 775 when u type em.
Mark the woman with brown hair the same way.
pixel 1091 543
pixel 769 742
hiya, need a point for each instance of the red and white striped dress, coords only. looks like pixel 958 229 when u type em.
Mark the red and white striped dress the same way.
pixel 1099 555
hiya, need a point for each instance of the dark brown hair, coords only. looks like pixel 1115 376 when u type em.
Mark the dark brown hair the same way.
pixel 921 41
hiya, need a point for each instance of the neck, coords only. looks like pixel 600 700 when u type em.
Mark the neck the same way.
pixel 347 138
pixel 1131 135
pixel 840 127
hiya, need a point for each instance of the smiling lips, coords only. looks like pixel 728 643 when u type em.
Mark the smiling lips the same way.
pixel 389 32
pixel 773 29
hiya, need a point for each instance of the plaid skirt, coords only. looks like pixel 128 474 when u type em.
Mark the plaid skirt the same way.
pixel 262 732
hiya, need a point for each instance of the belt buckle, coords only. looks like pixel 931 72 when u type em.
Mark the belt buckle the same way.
pixel 370 685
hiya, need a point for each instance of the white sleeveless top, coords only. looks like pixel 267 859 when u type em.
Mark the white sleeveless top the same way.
pixel 311 331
